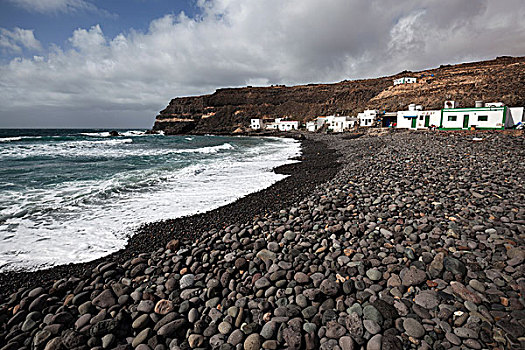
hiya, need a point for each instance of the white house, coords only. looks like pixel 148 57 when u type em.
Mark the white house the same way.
pixel 495 116
pixel 407 119
pixel 416 118
pixel 405 80
pixel 367 118
pixel 351 122
pixel 320 122
pixel 316 124
pixel 288 125
pixel 332 122
pixel 311 126
pixel 257 124
pixel 271 125
pixel 339 123
pixel 427 119
pixel 282 125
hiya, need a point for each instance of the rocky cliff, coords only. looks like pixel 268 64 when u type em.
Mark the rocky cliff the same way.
pixel 227 110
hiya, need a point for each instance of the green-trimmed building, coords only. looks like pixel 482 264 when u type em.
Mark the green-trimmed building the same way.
pixel 491 117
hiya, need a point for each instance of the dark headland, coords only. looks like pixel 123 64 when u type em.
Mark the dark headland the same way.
pixel 405 240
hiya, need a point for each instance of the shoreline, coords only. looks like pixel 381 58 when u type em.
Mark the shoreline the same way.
pixel 315 158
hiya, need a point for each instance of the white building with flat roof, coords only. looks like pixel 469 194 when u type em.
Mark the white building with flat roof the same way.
pixel 367 118
pixel 491 118
pixel 256 124
pixel 311 126
pixel 281 124
pixel 405 80
pixel 316 124
pixel 484 116
pixel 288 125
pixel 340 123
pixel 416 118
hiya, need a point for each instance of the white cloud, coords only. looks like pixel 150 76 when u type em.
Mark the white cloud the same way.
pixel 403 36
pixel 58 6
pixel 242 42
pixel 88 41
pixel 13 41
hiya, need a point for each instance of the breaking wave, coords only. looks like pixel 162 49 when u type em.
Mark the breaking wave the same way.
pixel 77 198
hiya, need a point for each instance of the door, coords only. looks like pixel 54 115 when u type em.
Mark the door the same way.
pixel 414 122
pixel 465 121
pixel 427 121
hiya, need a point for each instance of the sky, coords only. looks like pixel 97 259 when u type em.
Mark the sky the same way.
pixel 117 63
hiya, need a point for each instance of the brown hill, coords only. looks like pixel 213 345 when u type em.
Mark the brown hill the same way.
pixel 224 111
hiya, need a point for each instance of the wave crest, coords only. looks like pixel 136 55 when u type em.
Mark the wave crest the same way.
pixel 208 149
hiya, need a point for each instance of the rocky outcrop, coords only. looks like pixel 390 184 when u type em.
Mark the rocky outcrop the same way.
pixel 226 110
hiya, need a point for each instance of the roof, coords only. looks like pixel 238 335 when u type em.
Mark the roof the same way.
pixel 473 109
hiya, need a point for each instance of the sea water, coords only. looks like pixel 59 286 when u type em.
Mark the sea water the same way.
pixel 77 195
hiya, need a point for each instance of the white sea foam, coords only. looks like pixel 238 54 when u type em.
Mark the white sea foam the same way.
pixel 96 134
pixel 123 133
pixel 10 139
pixel 19 138
pixel 78 148
pixel 207 150
pixel 134 133
pixel 107 142
pixel 79 221
pixel 107 148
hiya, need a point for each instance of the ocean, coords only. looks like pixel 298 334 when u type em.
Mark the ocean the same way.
pixel 70 196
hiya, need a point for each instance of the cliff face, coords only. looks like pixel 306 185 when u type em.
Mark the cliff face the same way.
pixel 224 111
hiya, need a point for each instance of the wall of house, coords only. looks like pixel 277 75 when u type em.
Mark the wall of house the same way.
pixel 349 124
pixel 406 123
pixel 339 124
pixel 287 126
pixel 494 118
pixel 255 124
pixel 402 121
pixel 311 126
pixel 366 121
pixel 435 119
pixel 420 121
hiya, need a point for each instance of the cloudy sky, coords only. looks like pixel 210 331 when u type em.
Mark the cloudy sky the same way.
pixel 108 64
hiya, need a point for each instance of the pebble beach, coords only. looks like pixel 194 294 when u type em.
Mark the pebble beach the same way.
pixel 397 241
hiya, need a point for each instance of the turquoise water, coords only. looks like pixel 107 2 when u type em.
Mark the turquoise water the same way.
pixel 76 195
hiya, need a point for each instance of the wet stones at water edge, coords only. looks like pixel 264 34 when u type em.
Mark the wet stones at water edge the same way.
pixel 395 252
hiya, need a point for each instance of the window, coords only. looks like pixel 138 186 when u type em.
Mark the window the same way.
pixel 452 118
pixel 420 117
pixel 483 118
